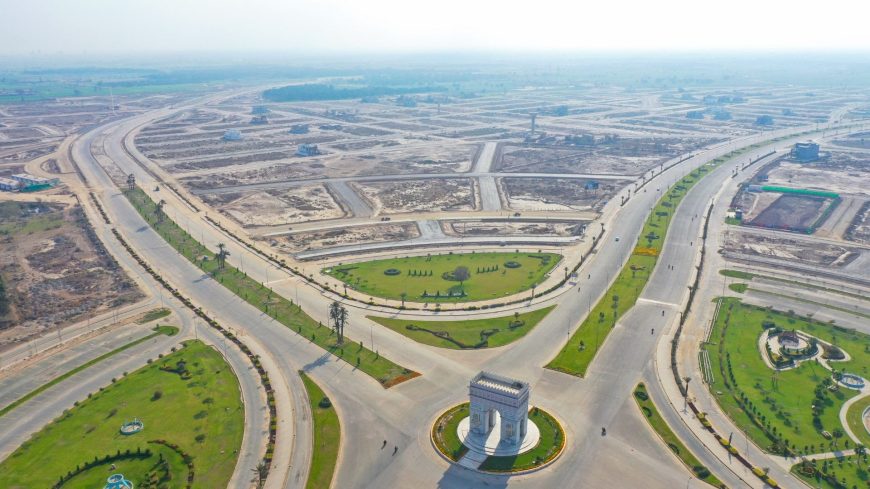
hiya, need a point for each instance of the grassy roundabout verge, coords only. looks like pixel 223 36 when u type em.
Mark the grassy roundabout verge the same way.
pixel 193 421
pixel 550 445
pixel 430 278
pixel 847 472
pixel 467 333
pixel 791 411
pixel 327 436
pixel 158 330
pixel 658 424
pixel 854 417
pixel 264 299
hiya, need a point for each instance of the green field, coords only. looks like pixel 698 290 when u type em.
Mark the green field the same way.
pixel 327 437
pixel 158 330
pixel 202 414
pixel 264 299
pixel 652 416
pixel 848 472
pixel 776 411
pixel 428 278
pixel 445 435
pixel 469 333
pixel 856 422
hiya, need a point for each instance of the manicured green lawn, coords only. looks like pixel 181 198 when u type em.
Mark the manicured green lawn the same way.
pixel 425 278
pixel 856 422
pixel 262 297
pixel 167 330
pixel 327 437
pixel 784 402
pixel 444 432
pixel 848 472
pixel 651 414
pixel 154 314
pixel 203 415
pixel 738 287
pixel 470 333
pixel 550 444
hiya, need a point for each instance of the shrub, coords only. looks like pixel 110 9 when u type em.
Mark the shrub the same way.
pixel 157 395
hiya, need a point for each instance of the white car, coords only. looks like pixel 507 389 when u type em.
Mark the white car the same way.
pixel 617 238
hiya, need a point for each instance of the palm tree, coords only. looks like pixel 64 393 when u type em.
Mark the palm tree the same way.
pixel 222 255
pixel 403 295
pixel 261 471
pixel 338 316
pixel 159 210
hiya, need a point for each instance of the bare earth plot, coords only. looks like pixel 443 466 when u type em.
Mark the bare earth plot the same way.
pixel 797 250
pixel 274 207
pixel 859 229
pixel 515 228
pixel 455 194
pixel 559 194
pixel 340 236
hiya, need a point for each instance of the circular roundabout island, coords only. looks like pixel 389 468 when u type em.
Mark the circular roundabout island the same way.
pixel 496 431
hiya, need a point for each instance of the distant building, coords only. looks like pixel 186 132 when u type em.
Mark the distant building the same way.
pixel 8 185
pixel 28 180
pixel 233 135
pixel 259 119
pixel 764 120
pixel 695 114
pixel 805 152
pixel 259 110
pixel 307 150
pixel 591 185
pixel 299 129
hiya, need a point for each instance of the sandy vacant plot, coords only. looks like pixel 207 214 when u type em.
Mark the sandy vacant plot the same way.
pixel 558 194
pixel 453 194
pixel 797 250
pixel 274 207
pixel 515 228
pixel 328 238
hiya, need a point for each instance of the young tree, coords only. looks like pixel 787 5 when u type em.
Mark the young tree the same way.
pixel 222 255
pixel 461 274
pixel 159 210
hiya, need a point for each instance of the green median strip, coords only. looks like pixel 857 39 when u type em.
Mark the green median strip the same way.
pixel 327 436
pixel 750 276
pixel 154 315
pixel 658 424
pixel 264 299
pixel 467 333
pixel 159 330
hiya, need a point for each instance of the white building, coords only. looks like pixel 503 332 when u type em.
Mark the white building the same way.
pixel 27 180
pixel 307 150
pixel 8 184
pixel 233 135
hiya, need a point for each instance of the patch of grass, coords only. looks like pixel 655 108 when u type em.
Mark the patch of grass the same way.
pixel 468 333
pixel 165 330
pixel 856 422
pixel 550 444
pixel 658 424
pixel 154 315
pixel 264 299
pixel 428 278
pixel 733 221
pixel 738 287
pixel 736 274
pixel 846 472
pixel 444 432
pixel 327 437
pixel 777 410
pixel 92 428
pixel 750 276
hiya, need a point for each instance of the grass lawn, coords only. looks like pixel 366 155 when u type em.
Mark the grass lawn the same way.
pixel 581 348
pixel 167 330
pixel 779 409
pixel 327 437
pixel 664 431
pixel 445 435
pixel 749 276
pixel 551 443
pixel 203 415
pixel 856 422
pixel 262 297
pixel 847 472
pixel 738 287
pixel 154 315
pixel 429 278
pixel 470 333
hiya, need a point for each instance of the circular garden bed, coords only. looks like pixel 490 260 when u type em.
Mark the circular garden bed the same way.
pixel 392 272
pixel 512 264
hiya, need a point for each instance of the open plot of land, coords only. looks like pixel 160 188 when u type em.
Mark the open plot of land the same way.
pixel 783 247
pixel 507 227
pixel 467 334
pixel 841 172
pixel 859 229
pixel 456 194
pixel 792 212
pixel 792 409
pixel 558 193
pixel 339 236
pixel 194 404
pixel 431 278
pixel 54 269
pixel 273 207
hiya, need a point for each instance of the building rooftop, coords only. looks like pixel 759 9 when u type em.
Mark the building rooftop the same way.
pixel 498 383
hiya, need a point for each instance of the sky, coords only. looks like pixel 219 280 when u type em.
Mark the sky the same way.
pixel 311 27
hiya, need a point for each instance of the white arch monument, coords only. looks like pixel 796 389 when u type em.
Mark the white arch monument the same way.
pixel 490 393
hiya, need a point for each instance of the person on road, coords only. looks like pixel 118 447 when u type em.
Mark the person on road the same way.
pixel 395 449
pixel 384 445
pixel 603 431
pixel 652 331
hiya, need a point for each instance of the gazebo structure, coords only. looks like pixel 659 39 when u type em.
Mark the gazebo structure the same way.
pixel 490 393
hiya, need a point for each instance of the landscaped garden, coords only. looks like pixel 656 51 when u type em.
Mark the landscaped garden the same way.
pixel 468 333
pixel 448 277
pixel 652 416
pixel 794 410
pixel 855 418
pixel 263 298
pixel 847 472
pixel 190 406
pixel 327 436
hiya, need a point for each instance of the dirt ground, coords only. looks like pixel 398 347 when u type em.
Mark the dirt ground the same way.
pixel 296 242
pixel 454 194
pixel 558 194
pixel 274 207
pixel 794 212
pixel 842 172
pixel 802 251
pixel 507 228
pixel 55 270
pixel 859 229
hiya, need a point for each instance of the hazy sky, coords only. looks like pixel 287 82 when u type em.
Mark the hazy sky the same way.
pixel 346 26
